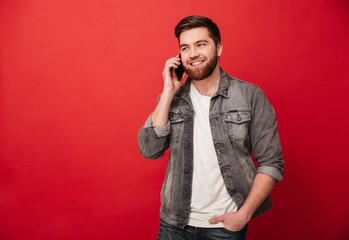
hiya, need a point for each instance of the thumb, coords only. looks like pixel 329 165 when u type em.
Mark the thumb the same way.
pixel 216 219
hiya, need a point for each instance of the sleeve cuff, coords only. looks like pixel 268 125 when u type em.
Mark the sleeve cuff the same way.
pixel 271 171
pixel 160 131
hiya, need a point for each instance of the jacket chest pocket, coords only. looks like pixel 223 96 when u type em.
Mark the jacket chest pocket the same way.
pixel 238 122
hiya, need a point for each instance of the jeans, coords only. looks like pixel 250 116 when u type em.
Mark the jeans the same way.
pixel 169 232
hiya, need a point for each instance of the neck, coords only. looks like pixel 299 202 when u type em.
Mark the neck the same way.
pixel 209 85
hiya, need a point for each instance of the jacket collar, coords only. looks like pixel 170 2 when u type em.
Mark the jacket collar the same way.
pixel 183 92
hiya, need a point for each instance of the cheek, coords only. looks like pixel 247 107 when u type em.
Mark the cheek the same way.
pixel 184 61
pixel 212 55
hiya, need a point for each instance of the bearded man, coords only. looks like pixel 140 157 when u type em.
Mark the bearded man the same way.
pixel 211 124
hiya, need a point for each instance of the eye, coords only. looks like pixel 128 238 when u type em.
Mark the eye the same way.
pixel 201 44
pixel 184 48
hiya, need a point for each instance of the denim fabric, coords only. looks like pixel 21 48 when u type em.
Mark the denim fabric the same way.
pixel 168 232
pixel 241 120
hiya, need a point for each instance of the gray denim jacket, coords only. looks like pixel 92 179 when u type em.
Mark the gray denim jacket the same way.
pixel 241 120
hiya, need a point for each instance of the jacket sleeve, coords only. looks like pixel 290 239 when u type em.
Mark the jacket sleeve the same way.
pixel 265 140
pixel 153 140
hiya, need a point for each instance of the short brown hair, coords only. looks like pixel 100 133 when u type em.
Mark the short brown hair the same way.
pixel 198 21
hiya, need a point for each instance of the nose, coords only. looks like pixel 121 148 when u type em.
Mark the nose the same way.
pixel 193 53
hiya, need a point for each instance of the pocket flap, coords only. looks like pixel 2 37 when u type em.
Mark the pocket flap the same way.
pixel 238 116
pixel 176 118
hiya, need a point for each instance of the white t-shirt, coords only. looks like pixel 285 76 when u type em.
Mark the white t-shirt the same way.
pixel 210 197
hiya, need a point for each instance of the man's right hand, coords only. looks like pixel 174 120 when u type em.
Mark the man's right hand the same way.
pixel 171 83
pixel 171 86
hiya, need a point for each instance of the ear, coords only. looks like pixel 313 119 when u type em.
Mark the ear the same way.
pixel 219 49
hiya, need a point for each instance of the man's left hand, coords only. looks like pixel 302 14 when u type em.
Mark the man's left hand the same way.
pixel 233 221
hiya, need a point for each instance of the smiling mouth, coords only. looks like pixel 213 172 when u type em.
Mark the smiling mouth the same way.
pixel 196 63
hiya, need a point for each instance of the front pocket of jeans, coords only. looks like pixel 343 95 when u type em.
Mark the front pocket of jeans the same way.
pixel 238 123
pixel 228 231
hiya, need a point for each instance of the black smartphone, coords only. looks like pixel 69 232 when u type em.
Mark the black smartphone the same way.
pixel 179 71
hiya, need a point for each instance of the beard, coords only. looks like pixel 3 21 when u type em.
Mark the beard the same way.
pixel 202 72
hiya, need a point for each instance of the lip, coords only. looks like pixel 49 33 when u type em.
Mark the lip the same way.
pixel 199 63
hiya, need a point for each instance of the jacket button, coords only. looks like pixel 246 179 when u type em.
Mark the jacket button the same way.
pixel 239 118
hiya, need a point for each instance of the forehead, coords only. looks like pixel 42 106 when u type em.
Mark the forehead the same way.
pixel 193 35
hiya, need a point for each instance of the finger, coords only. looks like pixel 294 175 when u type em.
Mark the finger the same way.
pixel 169 65
pixel 174 59
pixel 172 64
pixel 216 219
pixel 176 63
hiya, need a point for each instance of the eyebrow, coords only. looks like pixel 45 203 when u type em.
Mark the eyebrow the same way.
pixel 202 40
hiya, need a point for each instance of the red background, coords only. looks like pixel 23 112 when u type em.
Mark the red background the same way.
pixel 79 78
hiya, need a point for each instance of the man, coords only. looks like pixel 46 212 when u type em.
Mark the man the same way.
pixel 211 124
